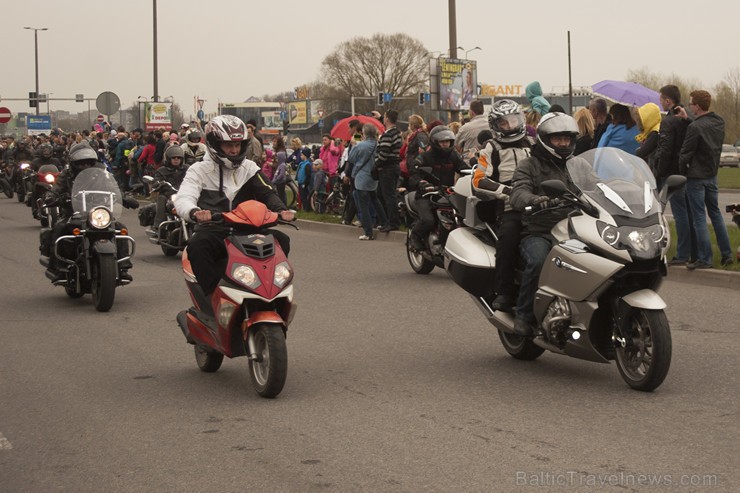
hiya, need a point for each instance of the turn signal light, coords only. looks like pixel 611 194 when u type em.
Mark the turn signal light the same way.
pixel 76 231
pixel 124 231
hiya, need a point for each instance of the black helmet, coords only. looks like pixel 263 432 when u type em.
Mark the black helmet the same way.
pixel 553 124
pixel 81 156
pixel 442 133
pixel 46 150
pixel 173 151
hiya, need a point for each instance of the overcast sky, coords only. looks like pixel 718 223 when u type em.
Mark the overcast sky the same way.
pixel 229 50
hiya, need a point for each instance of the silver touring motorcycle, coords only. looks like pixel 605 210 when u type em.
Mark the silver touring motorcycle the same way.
pixel 597 295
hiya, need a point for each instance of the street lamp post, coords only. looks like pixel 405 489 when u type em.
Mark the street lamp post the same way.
pixel 36 49
pixel 472 49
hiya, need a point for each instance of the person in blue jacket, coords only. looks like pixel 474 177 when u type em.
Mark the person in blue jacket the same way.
pixel 622 131
pixel 303 178
pixel 533 91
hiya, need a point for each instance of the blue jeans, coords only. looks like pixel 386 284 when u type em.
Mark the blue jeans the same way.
pixel 685 229
pixel 366 200
pixel 534 250
pixel 702 193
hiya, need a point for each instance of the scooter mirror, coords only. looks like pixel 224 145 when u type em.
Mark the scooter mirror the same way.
pixel 554 188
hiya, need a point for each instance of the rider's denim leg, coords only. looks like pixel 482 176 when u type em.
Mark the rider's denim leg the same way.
pixel 534 250
pixel 711 201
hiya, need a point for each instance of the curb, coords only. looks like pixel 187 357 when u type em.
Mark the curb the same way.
pixel 709 277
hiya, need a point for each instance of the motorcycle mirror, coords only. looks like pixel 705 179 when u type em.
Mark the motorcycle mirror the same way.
pixel 147 179
pixel 426 172
pixel 554 188
pixel 673 184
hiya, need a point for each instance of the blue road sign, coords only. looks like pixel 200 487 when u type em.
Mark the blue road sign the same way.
pixel 200 114
pixel 321 123
pixel 38 124
pixel 387 97
pixel 427 97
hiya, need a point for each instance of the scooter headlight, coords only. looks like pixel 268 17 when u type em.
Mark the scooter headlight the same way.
pixel 244 274
pixel 99 218
pixel 283 274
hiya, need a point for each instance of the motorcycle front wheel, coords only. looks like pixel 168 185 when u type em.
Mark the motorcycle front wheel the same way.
pixel 207 359
pixel 103 285
pixel 270 369
pixel 519 347
pixel 644 356
pixel 418 263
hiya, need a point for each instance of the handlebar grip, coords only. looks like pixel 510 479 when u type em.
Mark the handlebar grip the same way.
pixel 217 216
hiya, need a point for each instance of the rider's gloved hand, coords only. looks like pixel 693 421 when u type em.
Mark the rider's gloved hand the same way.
pixel 540 199
pixel 425 186
pixel 130 203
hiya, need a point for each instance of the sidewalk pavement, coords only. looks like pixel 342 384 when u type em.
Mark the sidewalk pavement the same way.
pixel 704 277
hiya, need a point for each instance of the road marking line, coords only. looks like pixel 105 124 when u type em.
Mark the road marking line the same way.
pixel 4 443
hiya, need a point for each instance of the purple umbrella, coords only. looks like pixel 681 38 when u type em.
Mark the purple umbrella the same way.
pixel 628 93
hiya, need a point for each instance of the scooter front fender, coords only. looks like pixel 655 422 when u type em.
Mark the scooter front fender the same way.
pixel 646 299
pixel 265 317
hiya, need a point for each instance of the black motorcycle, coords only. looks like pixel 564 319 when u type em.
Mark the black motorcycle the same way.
pixel 95 251
pixel 446 219
pixel 22 180
pixel 43 182
pixel 172 234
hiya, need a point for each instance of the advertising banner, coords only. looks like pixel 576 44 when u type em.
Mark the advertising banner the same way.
pixel 458 81
pixel 493 90
pixel 297 113
pixel 158 116
pixel 38 124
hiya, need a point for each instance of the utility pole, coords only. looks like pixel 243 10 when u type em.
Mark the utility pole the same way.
pixel 156 77
pixel 36 50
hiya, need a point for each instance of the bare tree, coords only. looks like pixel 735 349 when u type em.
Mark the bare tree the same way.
pixel 394 63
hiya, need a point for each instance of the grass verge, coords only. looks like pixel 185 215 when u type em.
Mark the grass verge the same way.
pixel 728 178
pixel 732 231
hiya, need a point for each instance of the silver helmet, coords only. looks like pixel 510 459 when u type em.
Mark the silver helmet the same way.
pixel 553 124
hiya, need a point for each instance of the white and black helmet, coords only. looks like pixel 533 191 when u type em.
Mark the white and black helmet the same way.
pixel 226 128
pixel 557 124
pixel 507 121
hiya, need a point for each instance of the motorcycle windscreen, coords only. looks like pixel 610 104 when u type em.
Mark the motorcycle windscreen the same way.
pixel 619 182
pixel 95 187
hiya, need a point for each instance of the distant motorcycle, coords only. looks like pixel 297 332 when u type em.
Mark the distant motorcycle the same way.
pixel 173 234
pixel 5 180
pixel 22 176
pixel 43 182
pixel 446 219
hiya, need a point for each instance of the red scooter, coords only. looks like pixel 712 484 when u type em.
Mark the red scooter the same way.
pixel 249 312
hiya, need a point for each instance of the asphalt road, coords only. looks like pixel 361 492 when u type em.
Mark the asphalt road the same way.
pixel 395 384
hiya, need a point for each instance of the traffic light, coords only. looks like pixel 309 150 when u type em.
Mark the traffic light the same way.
pixel 421 99
pixel 381 99
pixel 286 126
pixel 32 100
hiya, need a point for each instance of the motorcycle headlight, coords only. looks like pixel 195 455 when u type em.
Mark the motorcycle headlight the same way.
pixel 244 274
pixel 99 218
pixel 25 166
pixel 283 274
pixel 640 242
pixel 49 178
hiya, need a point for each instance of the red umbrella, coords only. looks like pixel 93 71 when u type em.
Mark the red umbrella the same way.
pixel 341 129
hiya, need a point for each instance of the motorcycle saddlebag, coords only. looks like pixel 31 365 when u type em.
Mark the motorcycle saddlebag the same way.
pixel 470 262
pixel 146 214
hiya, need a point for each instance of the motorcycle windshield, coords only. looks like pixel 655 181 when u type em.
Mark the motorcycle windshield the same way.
pixel 619 182
pixel 95 187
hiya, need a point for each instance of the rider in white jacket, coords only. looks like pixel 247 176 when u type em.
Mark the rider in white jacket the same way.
pixel 220 182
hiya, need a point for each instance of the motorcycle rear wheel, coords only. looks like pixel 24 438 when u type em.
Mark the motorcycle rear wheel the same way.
pixel 207 359
pixel 103 285
pixel 418 263
pixel 646 357
pixel 21 196
pixel 270 372
pixel 519 347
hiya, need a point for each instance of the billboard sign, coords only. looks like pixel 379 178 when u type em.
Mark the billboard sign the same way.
pixel 297 113
pixel 458 81
pixel 38 124
pixel 494 90
pixel 158 116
